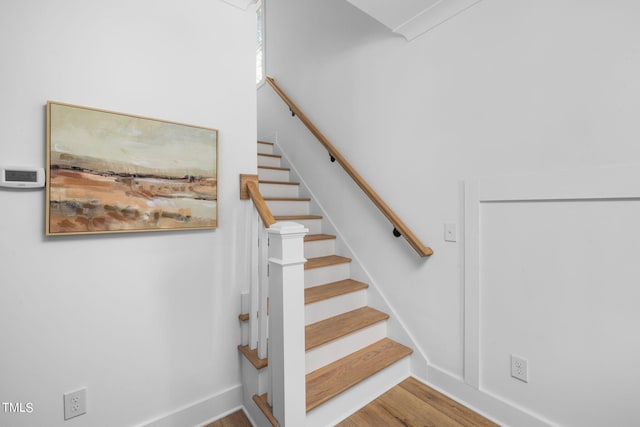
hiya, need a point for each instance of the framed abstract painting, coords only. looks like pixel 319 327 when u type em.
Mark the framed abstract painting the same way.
pixel 110 172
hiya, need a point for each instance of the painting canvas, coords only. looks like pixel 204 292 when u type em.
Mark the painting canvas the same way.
pixel 112 172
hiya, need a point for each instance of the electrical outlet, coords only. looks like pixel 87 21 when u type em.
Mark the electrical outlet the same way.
pixel 519 368
pixel 75 403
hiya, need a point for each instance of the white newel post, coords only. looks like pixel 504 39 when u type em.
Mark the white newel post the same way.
pixel 286 322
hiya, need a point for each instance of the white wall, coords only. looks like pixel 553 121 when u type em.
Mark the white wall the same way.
pixel 551 273
pixel 505 87
pixel 146 321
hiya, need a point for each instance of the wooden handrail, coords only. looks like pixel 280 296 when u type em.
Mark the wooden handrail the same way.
pixel 249 190
pixel 260 204
pixel 398 225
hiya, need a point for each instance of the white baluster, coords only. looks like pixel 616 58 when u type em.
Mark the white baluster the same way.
pixel 263 321
pixel 254 304
pixel 245 304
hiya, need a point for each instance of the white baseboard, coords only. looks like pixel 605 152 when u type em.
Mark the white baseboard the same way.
pixel 202 412
pixel 483 403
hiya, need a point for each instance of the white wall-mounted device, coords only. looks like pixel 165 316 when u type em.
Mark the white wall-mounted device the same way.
pixel 21 177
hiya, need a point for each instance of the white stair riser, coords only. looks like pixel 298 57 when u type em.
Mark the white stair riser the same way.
pixel 273 174
pixel 268 161
pixel 337 349
pixel 256 380
pixel 288 207
pixel 324 309
pixel 265 148
pixel 244 333
pixel 318 248
pixel 279 190
pixel 346 403
pixel 320 276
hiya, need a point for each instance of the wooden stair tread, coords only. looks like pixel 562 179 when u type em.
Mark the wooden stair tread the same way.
pixel 330 290
pixel 265 142
pixel 279 182
pixel 296 217
pixel 274 168
pixel 287 199
pixel 331 380
pixel 325 261
pixel 338 326
pixel 317 237
pixel 263 405
pixel 277 156
pixel 252 356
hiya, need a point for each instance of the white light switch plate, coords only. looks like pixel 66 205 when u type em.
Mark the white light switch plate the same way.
pixel 450 233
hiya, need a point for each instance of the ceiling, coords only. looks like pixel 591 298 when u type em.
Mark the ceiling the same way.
pixel 409 18
pixel 412 18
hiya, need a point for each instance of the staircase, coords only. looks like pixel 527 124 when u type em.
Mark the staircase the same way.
pixel 349 358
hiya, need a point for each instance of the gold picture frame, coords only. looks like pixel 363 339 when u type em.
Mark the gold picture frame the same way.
pixel 111 172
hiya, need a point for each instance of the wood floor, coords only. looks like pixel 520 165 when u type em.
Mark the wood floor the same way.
pixel 409 404
pixel 237 419
pixel 413 404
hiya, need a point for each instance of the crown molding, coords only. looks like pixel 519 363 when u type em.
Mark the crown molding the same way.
pixel 411 18
pixel 240 4
pixel 433 16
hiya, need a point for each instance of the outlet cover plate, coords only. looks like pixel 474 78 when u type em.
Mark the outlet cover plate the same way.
pixel 75 403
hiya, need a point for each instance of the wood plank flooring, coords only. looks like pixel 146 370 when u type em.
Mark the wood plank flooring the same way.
pixel 237 419
pixel 409 404
pixel 413 404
